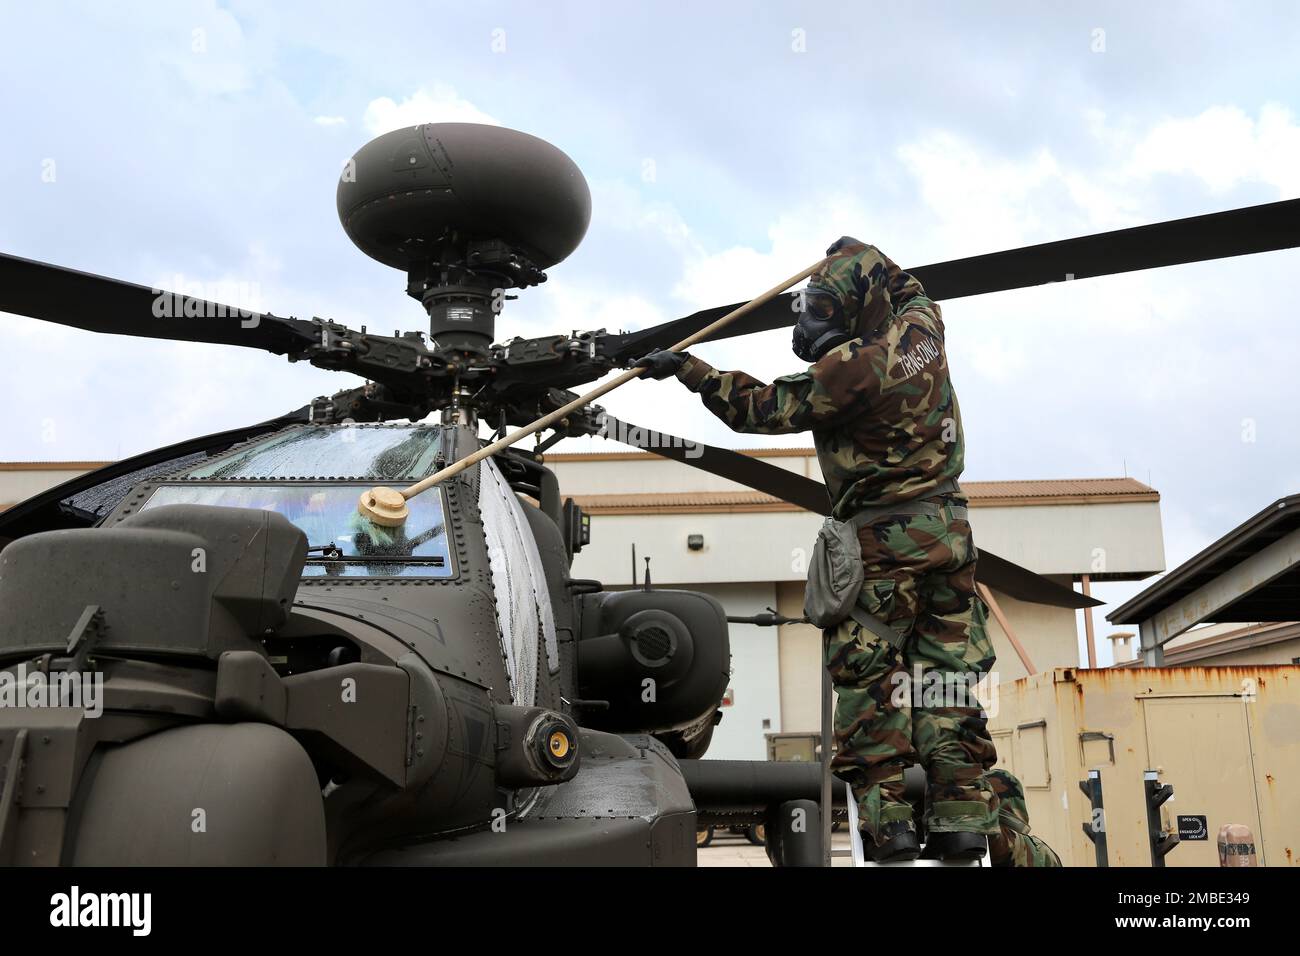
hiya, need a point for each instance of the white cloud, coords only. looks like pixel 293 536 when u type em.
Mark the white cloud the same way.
pixel 329 121
pixel 438 104
pixel 999 358
pixel 215 56
pixel 975 200
pixel 979 198
pixel 1224 147
pixel 622 207
pixel 797 239
pixel 565 304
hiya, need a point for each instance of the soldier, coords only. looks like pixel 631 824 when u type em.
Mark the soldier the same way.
pixel 1014 845
pixel 888 435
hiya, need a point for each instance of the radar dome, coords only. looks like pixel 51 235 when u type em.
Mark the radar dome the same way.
pixel 406 191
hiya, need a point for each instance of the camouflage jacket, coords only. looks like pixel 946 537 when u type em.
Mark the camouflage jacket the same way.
pixel 882 410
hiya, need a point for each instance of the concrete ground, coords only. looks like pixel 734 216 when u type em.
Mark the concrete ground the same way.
pixel 733 850
pixel 729 849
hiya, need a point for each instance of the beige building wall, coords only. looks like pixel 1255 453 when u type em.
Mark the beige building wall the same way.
pixel 1283 652
pixel 1049 636
pixel 1105 540
pixel 801 664
pixel 626 473
pixel 20 480
pixel 738 547
pixel 1231 644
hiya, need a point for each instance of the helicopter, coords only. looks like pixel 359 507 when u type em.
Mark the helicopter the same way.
pixel 278 684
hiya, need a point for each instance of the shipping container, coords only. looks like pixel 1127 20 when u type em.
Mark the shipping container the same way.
pixel 1227 739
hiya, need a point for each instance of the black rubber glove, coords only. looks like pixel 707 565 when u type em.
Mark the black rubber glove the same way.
pixel 661 364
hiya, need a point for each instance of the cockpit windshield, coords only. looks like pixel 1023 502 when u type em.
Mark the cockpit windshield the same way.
pixel 380 452
pixel 327 514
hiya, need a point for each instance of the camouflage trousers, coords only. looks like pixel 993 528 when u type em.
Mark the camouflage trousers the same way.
pixel 1014 845
pixel 910 699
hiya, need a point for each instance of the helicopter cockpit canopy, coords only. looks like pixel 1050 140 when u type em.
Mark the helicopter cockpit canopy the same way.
pixel 336 452
pixel 327 514
pixel 313 475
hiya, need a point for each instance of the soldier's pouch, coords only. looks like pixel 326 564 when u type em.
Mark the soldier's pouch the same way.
pixel 834 574
pixel 836 590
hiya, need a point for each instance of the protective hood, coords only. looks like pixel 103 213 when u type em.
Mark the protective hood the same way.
pixel 869 285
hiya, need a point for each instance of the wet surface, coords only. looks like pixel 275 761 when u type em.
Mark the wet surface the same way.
pixel 334 451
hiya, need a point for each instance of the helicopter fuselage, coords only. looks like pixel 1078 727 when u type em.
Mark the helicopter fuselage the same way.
pixel 443 682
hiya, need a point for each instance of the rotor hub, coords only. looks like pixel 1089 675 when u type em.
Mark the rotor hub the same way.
pixel 467 211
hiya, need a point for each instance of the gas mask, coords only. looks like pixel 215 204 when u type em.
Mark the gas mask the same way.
pixel 821 325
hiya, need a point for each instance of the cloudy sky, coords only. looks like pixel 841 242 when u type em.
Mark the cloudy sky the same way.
pixel 726 144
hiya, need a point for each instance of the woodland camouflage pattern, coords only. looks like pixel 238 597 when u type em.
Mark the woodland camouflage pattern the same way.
pixel 887 429
pixel 912 699
pixel 882 410
pixel 1014 845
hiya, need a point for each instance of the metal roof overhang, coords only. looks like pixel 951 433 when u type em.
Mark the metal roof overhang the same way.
pixel 1250 574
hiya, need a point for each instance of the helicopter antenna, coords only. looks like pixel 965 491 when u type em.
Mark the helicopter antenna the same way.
pixel 633 564
pixel 647 573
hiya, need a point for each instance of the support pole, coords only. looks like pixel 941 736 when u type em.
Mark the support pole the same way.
pixel 1087 624
pixel 828 744
pixel 988 599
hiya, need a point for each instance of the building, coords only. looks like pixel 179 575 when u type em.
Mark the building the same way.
pixel 1223 645
pixel 749 550
pixel 1246 585
pixel 20 480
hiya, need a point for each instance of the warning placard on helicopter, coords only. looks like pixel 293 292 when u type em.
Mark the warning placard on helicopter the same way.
pixel 1193 828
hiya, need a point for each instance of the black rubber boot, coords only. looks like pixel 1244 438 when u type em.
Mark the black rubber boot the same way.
pixel 956 846
pixel 897 844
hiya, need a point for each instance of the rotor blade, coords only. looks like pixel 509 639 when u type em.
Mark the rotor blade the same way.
pixel 99 304
pixel 1220 235
pixel 1025 585
pixel 752 472
pixel 998 573
pixel 624 347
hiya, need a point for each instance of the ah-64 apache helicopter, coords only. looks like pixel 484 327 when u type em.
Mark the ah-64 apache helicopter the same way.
pixel 283 684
